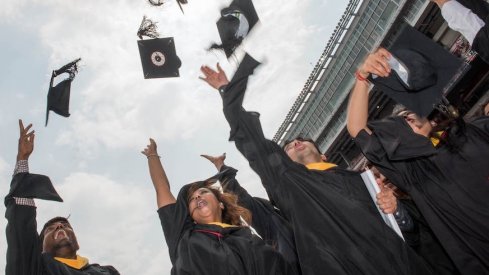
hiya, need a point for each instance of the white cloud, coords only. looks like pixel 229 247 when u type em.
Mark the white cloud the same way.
pixel 11 10
pixel 93 156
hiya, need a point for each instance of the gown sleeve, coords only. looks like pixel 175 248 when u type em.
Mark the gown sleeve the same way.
pixel 263 212
pixel 392 146
pixel 266 219
pixel 175 219
pixel 24 247
pixel 265 157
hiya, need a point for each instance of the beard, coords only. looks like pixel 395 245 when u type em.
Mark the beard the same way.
pixel 64 244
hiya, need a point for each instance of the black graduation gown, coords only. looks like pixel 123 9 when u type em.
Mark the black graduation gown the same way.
pixel 450 188
pixel 266 219
pixel 213 250
pixel 337 228
pixel 24 256
pixel 422 239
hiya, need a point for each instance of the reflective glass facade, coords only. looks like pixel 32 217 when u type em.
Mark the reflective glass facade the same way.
pixel 320 110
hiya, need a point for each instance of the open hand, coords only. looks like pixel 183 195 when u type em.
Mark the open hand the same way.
pixel 150 149
pixel 215 79
pixel 376 63
pixel 217 161
pixel 26 141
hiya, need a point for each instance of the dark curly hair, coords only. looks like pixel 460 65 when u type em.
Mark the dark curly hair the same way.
pixel 232 210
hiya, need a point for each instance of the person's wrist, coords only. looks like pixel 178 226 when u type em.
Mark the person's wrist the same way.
pixel 219 166
pixel 363 73
pixel 361 76
pixel 22 157
pixel 222 88
pixel 153 155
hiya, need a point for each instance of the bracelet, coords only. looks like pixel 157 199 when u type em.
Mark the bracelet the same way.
pixel 359 77
pixel 153 155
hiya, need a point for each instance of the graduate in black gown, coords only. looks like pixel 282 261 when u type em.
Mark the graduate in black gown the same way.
pixel 414 228
pixel 54 250
pixel 449 184
pixel 267 219
pixel 204 229
pixel 337 228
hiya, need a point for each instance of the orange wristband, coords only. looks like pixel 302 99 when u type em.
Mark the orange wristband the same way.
pixel 359 77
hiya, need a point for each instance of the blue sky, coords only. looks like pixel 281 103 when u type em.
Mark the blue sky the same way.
pixel 93 157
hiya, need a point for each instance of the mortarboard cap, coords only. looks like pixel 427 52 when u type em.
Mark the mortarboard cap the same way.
pixel 59 95
pixel 420 71
pixel 235 23
pixel 159 58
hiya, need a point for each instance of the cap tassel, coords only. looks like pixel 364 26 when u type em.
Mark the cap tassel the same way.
pixel 70 68
pixel 221 47
pixel 148 28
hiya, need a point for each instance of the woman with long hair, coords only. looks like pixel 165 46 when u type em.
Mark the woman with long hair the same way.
pixel 207 231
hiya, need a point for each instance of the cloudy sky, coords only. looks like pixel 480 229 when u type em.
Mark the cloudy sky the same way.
pixel 93 157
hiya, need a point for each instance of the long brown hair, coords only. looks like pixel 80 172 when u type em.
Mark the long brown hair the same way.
pixel 232 210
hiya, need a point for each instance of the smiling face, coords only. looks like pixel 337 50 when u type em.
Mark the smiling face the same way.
pixel 59 239
pixel 303 151
pixel 204 207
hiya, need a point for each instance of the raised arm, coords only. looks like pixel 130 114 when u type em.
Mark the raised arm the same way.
pixel 375 63
pixel 265 157
pixel 461 18
pixel 24 248
pixel 158 175
pixel 227 177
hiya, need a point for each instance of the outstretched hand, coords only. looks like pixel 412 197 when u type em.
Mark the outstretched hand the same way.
pixel 217 161
pixel 150 149
pixel 26 141
pixel 215 79
pixel 376 63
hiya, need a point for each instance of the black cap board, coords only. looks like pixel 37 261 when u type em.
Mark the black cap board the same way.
pixel 59 95
pixel 421 71
pixel 159 58
pixel 235 23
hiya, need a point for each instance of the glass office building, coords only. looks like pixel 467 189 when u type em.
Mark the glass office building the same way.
pixel 319 112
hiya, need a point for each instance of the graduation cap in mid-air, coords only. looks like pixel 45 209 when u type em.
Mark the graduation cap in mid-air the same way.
pixel 420 72
pixel 158 3
pixel 158 55
pixel 59 95
pixel 235 23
